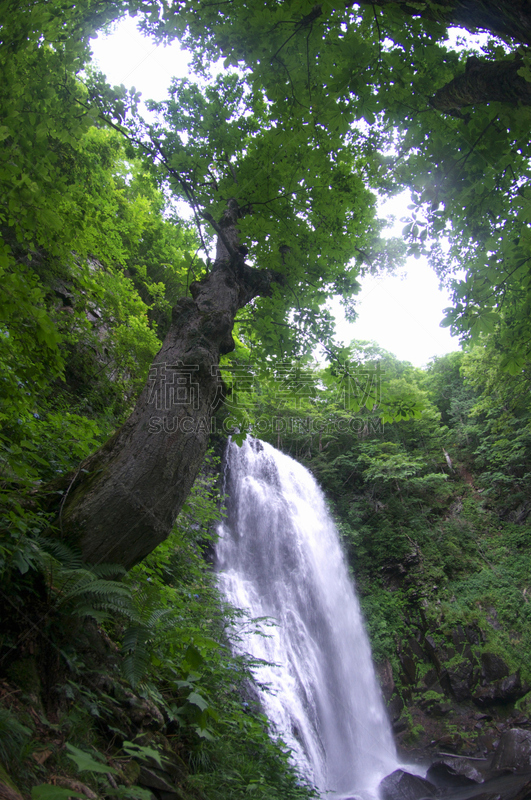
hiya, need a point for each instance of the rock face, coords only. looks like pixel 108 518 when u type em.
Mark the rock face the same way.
pixel 451 694
pixel 401 785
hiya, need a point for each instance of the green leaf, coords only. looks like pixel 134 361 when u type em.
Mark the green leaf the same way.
pixel 86 763
pixel 197 700
pixel 142 751
pixel 46 791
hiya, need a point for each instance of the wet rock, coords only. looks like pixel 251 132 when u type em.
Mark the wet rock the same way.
pixel 141 712
pixel 384 671
pixel 492 618
pixel 493 668
pixel 453 773
pixel 8 790
pixel 473 634
pixel 401 785
pixel 432 651
pixel 439 709
pixel 508 787
pixel 459 638
pixel 462 678
pixel 524 793
pixel 513 751
pixel 450 741
pixel 156 779
pixel 395 706
pixel 506 690
pixel 415 649
pixel 431 680
pixel 399 726
pixel 409 668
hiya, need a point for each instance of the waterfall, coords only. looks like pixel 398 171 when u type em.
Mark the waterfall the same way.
pixel 279 557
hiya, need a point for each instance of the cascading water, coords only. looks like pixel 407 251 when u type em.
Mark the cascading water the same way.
pixel 279 556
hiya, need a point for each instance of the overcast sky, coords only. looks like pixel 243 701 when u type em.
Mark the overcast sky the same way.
pixel 401 314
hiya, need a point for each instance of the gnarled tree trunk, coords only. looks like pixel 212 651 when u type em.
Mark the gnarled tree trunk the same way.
pixel 125 498
pixel 508 19
pixel 484 82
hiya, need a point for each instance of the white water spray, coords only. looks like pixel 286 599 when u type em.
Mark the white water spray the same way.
pixel 279 556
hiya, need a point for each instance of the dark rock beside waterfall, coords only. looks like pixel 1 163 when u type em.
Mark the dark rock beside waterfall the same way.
pixel 493 668
pixel 513 751
pixel 384 673
pixel 462 678
pixel 503 691
pixel 453 773
pixel 400 785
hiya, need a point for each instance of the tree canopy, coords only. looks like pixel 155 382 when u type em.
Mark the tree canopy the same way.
pixel 280 157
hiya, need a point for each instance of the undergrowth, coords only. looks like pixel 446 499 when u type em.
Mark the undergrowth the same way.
pixel 104 674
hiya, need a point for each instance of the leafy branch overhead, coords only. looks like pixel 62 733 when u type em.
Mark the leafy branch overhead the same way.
pixel 449 125
pixel 280 159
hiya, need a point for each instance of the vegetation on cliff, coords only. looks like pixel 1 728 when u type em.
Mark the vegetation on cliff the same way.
pixel 434 514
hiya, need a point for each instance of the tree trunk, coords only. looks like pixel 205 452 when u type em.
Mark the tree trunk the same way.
pixel 508 19
pixel 484 82
pixel 124 499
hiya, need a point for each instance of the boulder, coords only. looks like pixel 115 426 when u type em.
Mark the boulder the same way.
pixel 401 785
pixel 493 668
pixel 395 706
pixel 506 690
pixel 384 672
pixel 409 669
pixel 141 712
pixel 453 773
pixel 505 788
pixel 462 678
pixel 8 790
pixel 459 638
pixel 524 793
pixel 513 751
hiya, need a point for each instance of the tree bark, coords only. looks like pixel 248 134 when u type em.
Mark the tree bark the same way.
pixel 507 19
pixel 124 499
pixel 484 82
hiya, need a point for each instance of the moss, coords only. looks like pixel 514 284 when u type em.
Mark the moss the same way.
pixel 130 772
pixel 25 675
pixel 8 789
pixel 431 695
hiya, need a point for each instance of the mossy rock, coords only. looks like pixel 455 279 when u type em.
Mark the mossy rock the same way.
pixel 25 675
pixel 8 789
pixel 131 772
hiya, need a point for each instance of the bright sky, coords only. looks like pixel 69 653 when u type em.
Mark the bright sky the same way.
pixel 401 314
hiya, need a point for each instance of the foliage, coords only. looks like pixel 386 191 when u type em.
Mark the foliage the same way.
pixel 366 74
pixel 171 632
pixel 318 109
pixel 13 737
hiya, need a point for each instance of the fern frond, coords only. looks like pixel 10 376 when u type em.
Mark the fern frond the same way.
pixel 69 557
pixel 107 570
pixel 159 614
pixel 99 587
pixel 137 655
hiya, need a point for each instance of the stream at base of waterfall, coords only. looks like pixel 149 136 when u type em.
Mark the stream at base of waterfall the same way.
pixel 279 557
